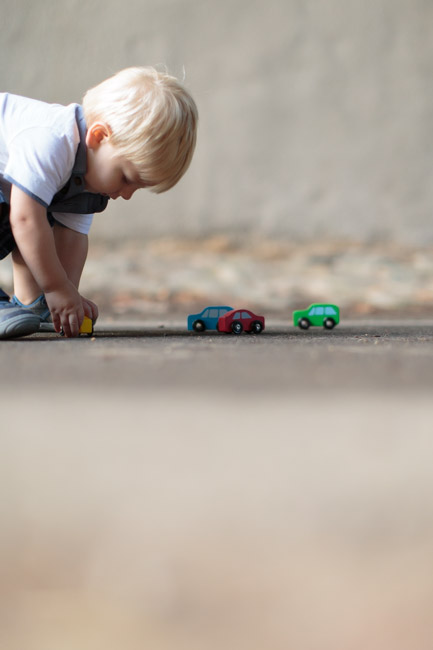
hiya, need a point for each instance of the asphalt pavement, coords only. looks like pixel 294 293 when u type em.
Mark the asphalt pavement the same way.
pixel 160 355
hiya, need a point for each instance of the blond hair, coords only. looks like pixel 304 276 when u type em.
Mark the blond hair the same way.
pixel 152 120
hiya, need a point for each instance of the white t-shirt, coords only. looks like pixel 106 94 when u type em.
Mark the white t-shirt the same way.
pixel 38 145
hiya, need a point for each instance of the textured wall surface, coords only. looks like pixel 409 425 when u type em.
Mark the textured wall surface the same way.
pixel 315 115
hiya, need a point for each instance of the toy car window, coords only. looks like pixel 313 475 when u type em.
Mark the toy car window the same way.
pixel 312 311
pixel 245 315
pixel 206 313
pixel 330 311
pixel 237 315
pixel 319 311
pixel 213 313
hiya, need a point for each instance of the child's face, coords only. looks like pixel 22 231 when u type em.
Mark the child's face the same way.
pixel 109 173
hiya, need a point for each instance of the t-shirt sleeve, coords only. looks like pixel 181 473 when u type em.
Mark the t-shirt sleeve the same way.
pixel 78 222
pixel 40 163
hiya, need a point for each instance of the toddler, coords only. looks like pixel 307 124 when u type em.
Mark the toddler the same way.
pixel 61 164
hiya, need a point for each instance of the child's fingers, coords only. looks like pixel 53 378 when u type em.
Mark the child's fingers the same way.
pixel 70 327
pixel 56 322
pixel 66 327
pixel 91 310
pixel 70 323
pixel 95 312
pixel 87 309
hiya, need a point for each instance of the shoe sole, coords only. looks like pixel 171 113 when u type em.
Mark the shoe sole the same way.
pixel 46 327
pixel 17 326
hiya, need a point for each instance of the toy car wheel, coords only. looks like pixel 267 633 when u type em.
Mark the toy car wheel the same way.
pixel 198 326
pixel 304 323
pixel 237 327
pixel 256 327
pixel 329 323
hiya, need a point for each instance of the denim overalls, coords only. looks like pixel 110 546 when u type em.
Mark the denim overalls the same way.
pixel 71 198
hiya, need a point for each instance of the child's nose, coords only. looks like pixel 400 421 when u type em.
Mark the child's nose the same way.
pixel 127 193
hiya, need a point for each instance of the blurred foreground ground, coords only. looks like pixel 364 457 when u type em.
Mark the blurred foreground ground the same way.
pixel 175 491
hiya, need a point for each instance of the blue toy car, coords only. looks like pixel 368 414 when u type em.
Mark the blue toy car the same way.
pixel 207 319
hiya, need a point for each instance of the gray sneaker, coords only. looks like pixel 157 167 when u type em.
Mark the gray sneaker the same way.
pixel 15 321
pixel 38 307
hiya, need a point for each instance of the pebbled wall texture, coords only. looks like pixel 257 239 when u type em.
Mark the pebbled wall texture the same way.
pixel 315 115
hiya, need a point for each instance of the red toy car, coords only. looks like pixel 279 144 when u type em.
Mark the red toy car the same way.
pixel 239 320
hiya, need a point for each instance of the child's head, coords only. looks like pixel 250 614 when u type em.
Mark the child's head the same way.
pixel 152 122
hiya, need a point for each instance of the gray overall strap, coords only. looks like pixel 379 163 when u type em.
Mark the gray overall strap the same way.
pixel 73 196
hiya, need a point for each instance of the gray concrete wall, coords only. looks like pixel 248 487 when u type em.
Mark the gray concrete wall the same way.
pixel 315 114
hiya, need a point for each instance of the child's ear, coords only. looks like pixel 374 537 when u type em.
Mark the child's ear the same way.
pixel 96 133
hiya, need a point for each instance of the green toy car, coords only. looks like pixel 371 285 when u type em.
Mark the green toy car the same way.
pixel 317 315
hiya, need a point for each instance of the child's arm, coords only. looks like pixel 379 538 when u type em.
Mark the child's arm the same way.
pixel 72 248
pixel 35 241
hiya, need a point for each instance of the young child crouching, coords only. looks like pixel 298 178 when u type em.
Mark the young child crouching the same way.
pixel 61 164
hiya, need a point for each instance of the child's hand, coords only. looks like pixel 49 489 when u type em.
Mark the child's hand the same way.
pixel 90 309
pixel 67 309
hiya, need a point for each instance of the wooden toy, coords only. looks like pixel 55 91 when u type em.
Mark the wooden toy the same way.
pixel 86 326
pixel 207 319
pixel 317 315
pixel 240 320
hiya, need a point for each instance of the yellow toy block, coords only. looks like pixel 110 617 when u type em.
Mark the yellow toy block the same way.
pixel 86 326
